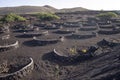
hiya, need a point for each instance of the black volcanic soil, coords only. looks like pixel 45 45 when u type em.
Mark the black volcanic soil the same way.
pixel 14 63
pixel 102 67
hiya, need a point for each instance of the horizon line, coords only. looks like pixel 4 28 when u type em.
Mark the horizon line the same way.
pixel 61 8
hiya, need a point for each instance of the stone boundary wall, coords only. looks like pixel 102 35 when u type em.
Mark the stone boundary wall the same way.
pixel 28 35
pixel 88 24
pixel 51 28
pixel 106 27
pixel 18 75
pixel 1 32
pixel 67 59
pixel 21 31
pixel 87 29
pixel 71 26
pixel 107 42
pixel 63 32
pixel 75 36
pixel 108 32
pixel 57 53
pixel 47 41
pixel 103 23
pixel 117 24
pixel 7 47
pixel 31 35
pixel 61 57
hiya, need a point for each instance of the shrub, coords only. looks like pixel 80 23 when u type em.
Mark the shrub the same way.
pixel 47 16
pixel 12 18
pixel 19 18
pixel 107 15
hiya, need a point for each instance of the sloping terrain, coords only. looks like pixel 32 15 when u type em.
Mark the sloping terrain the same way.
pixel 73 9
pixel 27 9
pixel 37 9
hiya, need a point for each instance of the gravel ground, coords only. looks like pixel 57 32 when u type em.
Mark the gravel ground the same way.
pixel 48 70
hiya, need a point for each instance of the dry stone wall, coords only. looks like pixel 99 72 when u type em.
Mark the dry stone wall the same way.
pixel 18 75
pixel 8 47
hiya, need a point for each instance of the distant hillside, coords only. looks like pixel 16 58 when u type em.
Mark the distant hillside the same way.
pixel 37 9
pixel 27 9
pixel 73 9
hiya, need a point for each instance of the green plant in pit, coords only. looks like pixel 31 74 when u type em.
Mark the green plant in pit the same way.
pixel 57 72
pixel 73 50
